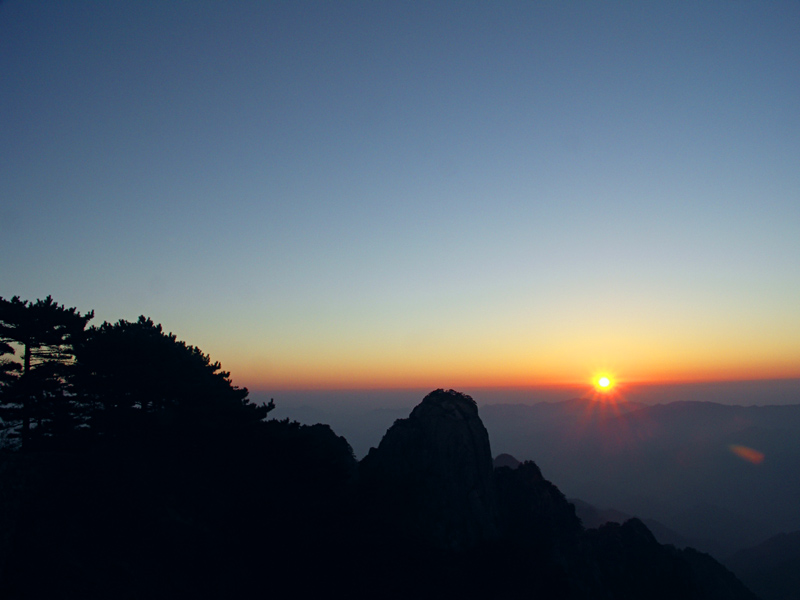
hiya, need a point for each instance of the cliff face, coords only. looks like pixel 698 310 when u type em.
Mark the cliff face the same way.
pixel 533 511
pixel 432 473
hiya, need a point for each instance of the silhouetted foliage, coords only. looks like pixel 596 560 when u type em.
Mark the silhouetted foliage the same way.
pixel 133 373
pixel 9 369
pixel 10 409
pixel 46 333
pixel 115 378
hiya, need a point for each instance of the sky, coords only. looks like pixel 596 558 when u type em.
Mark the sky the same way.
pixel 414 194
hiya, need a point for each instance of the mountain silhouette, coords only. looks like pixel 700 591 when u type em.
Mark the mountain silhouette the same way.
pixel 429 478
pixel 282 509
pixel 592 517
pixel 688 465
pixel 772 568
pixel 433 470
pixel 505 460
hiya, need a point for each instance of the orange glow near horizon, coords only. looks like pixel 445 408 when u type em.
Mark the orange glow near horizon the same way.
pixel 461 366
pixel 344 381
pixel 504 352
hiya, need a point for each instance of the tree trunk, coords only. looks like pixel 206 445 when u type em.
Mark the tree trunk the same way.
pixel 26 397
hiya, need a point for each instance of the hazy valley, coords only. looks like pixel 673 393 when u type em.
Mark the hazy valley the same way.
pixel 674 463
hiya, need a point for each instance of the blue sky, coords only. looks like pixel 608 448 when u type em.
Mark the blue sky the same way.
pixel 403 193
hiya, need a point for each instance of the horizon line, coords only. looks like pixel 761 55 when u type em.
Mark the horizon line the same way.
pixel 538 386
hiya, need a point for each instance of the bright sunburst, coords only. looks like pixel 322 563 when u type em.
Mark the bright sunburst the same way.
pixel 603 383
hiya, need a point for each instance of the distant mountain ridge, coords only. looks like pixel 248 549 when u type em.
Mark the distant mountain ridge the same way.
pixel 772 568
pixel 593 517
pixel 678 463
pixel 671 462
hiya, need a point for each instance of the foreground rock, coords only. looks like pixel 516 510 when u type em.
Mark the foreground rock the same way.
pixel 507 531
pixel 433 473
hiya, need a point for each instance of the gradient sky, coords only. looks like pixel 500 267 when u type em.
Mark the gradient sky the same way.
pixel 442 194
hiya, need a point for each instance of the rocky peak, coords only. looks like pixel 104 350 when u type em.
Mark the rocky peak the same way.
pixel 506 460
pixel 446 404
pixel 433 472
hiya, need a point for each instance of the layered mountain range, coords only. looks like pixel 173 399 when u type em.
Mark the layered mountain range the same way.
pixel 721 477
pixel 432 481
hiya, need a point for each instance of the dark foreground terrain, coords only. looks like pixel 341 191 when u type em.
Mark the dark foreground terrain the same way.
pixel 276 509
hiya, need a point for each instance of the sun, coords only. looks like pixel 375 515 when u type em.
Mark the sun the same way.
pixel 607 391
pixel 603 383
